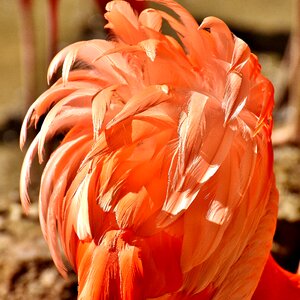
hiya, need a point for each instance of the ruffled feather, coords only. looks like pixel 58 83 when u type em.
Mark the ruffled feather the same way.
pixel 165 166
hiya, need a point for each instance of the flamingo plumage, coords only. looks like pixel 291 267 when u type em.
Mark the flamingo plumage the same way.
pixel 138 6
pixel 163 185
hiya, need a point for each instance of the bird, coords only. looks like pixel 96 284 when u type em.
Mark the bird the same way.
pixel 28 52
pixel 53 8
pixel 161 185
pixel 28 45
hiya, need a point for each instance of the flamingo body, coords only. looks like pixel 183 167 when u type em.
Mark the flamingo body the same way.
pixel 276 283
pixel 163 185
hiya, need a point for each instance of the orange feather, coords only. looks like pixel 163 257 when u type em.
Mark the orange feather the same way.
pixel 163 186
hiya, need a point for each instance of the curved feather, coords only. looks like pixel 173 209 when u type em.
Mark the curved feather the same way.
pixel 162 186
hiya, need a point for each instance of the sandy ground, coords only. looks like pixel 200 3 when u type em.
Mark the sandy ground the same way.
pixel 26 269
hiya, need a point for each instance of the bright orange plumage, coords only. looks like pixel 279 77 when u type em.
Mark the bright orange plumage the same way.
pixel 163 185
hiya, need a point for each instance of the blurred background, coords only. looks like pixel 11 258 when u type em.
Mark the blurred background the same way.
pixel 270 27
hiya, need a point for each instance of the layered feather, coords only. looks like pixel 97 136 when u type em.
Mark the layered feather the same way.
pixel 163 184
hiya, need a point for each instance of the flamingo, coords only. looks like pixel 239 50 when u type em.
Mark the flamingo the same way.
pixel 28 42
pixel 28 46
pixel 53 19
pixel 163 185
pixel 28 53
